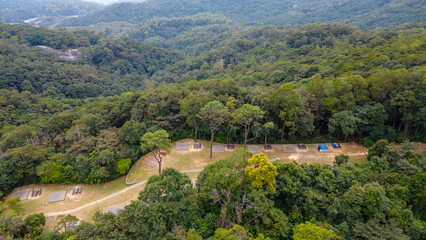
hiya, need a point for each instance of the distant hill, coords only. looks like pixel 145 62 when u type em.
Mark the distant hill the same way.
pixel 29 61
pixel 191 35
pixel 43 12
pixel 362 13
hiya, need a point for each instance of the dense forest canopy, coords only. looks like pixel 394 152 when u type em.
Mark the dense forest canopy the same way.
pixel 211 70
pixel 106 66
pixel 47 12
pixel 314 82
pixel 364 13
pixel 191 35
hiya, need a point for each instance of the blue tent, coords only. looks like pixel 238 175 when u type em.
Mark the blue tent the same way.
pixel 336 145
pixel 322 147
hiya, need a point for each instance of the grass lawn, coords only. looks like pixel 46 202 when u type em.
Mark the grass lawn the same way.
pixel 197 159
pixel 179 160
pixel 90 193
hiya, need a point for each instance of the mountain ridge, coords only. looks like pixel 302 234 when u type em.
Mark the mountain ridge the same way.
pixel 256 12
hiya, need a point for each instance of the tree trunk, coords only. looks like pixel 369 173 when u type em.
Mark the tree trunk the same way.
pixel 394 120
pixel 227 133
pixel 159 158
pixel 407 127
pixel 266 138
pixel 245 137
pixel 317 118
pixel 196 126
pixel 159 165
pixel 410 125
pixel 321 127
pixel 282 133
pixel 400 125
pixel 211 145
pixel 346 137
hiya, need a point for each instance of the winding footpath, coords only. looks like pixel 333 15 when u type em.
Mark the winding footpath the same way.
pixel 137 184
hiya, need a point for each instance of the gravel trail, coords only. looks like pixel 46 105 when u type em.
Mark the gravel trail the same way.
pixel 110 196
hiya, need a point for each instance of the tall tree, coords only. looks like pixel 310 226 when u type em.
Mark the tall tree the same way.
pixel 230 105
pixel 247 116
pixel 316 89
pixel 343 122
pixel 269 127
pixel 155 142
pixel 190 108
pixel 286 102
pixel 289 116
pixel 405 102
pixel 214 112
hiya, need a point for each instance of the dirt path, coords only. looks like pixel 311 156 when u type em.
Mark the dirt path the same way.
pixel 111 196
pixel 276 155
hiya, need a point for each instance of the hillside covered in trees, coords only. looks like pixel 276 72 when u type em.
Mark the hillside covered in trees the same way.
pixel 363 13
pixel 211 77
pixel 314 82
pixel 43 12
pixel 105 67
pixel 191 35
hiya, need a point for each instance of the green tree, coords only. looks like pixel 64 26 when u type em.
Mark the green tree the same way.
pixel 123 165
pixel 220 187
pixel 341 159
pixel 214 112
pixel 167 202
pixel 191 107
pixel 378 149
pixel 375 229
pixel 260 171
pixel 316 89
pixel 86 231
pixel 237 232
pixel 269 127
pixel 289 117
pixel 344 93
pixel 131 132
pixel 310 231
pixel 155 142
pixel 343 122
pixel 247 116
pixel 286 104
pixel 11 223
pixel 179 233
pixel 372 119
pixel 231 105
pixel 406 103
pixel 34 223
